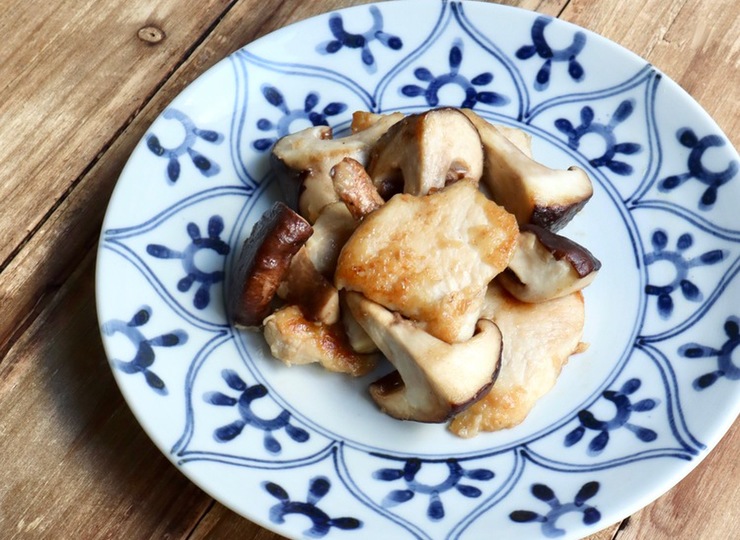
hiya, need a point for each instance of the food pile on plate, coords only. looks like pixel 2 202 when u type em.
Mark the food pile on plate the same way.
pixel 430 238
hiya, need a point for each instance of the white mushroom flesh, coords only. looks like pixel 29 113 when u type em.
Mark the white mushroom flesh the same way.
pixel 531 191
pixel 425 152
pixel 314 152
pixel 438 379
pixel 535 274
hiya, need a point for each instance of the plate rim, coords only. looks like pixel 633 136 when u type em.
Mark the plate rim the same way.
pixel 711 439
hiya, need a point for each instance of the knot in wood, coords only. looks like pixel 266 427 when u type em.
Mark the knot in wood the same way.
pixel 151 34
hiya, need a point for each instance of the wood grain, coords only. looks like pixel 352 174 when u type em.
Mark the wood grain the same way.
pixel 52 250
pixel 67 97
pixel 691 41
pixel 74 462
pixel 81 82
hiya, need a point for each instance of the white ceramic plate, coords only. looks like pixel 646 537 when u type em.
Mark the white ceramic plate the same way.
pixel 304 452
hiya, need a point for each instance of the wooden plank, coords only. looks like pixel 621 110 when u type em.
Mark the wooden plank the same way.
pixel 75 463
pixel 220 522
pixel 545 7
pixel 51 252
pixel 690 41
pixel 65 98
pixel 88 469
pixel 692 505
pixel 704 505
pixel 101 477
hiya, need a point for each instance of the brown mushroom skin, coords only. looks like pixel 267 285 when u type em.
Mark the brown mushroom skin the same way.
pixel 289 181
pixel 555 216
pixel 546 266
pixel 263 263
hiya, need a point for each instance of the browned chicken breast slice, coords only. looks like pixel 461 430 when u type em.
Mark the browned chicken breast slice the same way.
pixel 538 340
pixel 431 258
pixel 297 341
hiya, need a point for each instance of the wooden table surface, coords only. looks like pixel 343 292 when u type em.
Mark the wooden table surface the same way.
pixel 81 82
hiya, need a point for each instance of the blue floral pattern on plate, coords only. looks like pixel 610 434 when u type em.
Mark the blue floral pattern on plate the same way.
pixel 299 450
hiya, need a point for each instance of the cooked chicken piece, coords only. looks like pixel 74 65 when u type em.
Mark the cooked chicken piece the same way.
pixel 297 341
pixel 538 341
pixel 431 258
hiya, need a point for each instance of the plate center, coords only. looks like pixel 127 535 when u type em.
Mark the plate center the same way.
pixel 340 407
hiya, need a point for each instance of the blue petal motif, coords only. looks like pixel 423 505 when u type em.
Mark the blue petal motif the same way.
pixel 144 357
pixel 713 180
pixel 187 257
pixel 362 41
pixel 607 132
pixel 541 48
pixel 726 368
pixel 434 84
pixel 682 265
pixel 248 417
pixel 204 165
pixel 624 408
pixel 548 520
pixel 320 520
pixel 453 482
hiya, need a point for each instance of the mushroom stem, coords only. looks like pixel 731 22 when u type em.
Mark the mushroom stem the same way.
pixel 355 188
pixel 531 191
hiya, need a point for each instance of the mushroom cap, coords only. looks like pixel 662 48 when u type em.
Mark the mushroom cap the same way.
pixel 295 340
pixel 263 263
pixel 425 152
pixel 435 379
pixel 546 265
